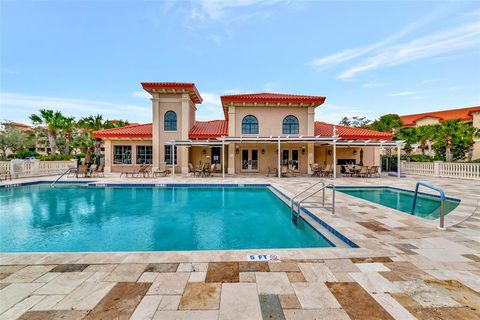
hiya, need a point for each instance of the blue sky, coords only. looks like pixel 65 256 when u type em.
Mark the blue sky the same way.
pixel 367 58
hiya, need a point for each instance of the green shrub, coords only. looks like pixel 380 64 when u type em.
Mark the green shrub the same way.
pixel 57 157
pixel 26 153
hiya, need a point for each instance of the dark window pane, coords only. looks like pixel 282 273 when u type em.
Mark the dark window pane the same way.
pixel 170 121
pixel 122 154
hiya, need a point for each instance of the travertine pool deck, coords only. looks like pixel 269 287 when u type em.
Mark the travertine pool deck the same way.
pixel 405 268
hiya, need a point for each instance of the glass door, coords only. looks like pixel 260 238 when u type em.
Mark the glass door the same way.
pixel 249 160
pixel 254 165
pixel 294 161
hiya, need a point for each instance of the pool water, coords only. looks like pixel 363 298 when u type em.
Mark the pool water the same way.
pixel 74 218
pixel 427 206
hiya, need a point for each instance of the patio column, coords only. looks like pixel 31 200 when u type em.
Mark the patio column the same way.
pixel 334 159
pixel 173 160
pixel 223 159
pixel 278 159
pixel 398 160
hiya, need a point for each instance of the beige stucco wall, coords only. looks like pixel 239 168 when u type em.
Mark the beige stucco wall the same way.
pixel 196 156
pixel 183 106
pixel 476 124
pixel 426 121
pixel 270 119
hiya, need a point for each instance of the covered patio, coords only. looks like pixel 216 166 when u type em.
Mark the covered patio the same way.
pixel 278 155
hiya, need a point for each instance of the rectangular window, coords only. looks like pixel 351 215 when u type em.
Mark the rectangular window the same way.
pixel 144 154
pixel 122 154
pixel 168 154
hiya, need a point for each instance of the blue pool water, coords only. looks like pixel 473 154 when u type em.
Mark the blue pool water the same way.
pixel 73 218
pixel 427 206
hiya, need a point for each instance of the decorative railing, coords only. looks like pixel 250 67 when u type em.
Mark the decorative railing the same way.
pixel 460 170
pixel 35 168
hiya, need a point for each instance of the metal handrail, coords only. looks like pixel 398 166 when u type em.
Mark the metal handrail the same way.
pixel 292 200
pixel 66 172
pixel 324 186
pixel 442 201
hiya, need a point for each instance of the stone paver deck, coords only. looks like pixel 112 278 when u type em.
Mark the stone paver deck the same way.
pixel 405 268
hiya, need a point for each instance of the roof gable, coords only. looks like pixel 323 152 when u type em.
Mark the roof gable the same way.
pixel 444 115
pixel 174 87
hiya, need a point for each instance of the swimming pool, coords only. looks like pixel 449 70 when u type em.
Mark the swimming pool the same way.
pixel 427 206
pixel 70 218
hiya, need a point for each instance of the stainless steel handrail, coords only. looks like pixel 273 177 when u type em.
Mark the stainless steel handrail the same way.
pixel 324 186
pixel 292 200
pixel 66 172
pixel 442 201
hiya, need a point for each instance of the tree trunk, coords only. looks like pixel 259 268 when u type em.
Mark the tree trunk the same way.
pixel 52 141
pixel 66 148
pixel 97 144
pixel 470 153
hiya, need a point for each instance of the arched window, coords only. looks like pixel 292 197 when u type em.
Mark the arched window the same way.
pixel 290 125
pixel 249 125
pixel 170 121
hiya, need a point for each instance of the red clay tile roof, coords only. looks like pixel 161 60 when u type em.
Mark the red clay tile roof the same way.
pixel 463 114
pixel 266 97
pixel 16 124
pixel 208 129
pixel 175 86
pixel 130 131
pixel 217 128
pixel 324 129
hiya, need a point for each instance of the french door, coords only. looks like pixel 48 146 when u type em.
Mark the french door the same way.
pixel 290 157
pixel 249 160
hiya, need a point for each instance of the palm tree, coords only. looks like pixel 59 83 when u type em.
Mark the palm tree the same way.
pixel 67 125
pixel 95 123
pixel 447 133
pixel 53 122
pixel 410 136
pixel 469 133
pixel 426 134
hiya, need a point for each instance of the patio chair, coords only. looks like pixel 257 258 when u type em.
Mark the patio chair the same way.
pixel 100 171
pixel 363 172
pixel 327 171
pixel 347 171
pixel 272 171
pixel 195 171
pixel 208 170
pixel 82 170
pixel 5 174
pixel 143 170
pixel 291 170
pixel 284 171
pixel 91 170
pixel 315 168
pixel 375 171
pixel 162 170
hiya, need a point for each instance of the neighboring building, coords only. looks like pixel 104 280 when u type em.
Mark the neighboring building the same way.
pixel 469 115
pixel 253 128
pixel 39 147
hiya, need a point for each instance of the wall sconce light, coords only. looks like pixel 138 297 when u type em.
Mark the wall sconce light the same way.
pixel 204 151
pixel 354 151
pixel 277 151
pixel 303 150
pixel 237 149
pixel 263 151
pixel 329 152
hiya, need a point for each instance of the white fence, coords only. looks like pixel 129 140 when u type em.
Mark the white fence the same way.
pixel 443 169
pixel 35 168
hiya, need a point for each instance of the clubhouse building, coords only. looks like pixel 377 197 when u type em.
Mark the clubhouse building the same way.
pixel 260 133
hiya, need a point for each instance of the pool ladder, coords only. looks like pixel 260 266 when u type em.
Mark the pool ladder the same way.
pixel 442 201
pixel 298 204
pixel 70 170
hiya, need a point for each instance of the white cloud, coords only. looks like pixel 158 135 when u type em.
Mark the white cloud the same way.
pixel 446 41
pixel 333 113
pixel 18 106
pixel 211 107
pixel 141 94
pixel 349 54
pixel 403 93
pixel 219 9
pixel 373 84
